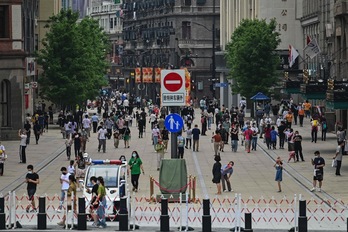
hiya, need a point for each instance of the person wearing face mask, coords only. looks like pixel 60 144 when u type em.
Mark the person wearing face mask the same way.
pixel 101 202
pixel 156 134
pixel 32 179
pixel 135 165
pixel 71 196
pixel 318 163
pixel 22 146
pixel 64 181
pixel 93 207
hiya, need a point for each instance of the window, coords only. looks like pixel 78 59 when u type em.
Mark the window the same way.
pixel 188 3
pixel 4 22
pixel 66 4
pixel 112 23
pixel 201 2
pixel 5 103
pixel 186 30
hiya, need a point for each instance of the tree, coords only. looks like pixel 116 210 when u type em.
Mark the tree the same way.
pixel 251 57
pixel 73 59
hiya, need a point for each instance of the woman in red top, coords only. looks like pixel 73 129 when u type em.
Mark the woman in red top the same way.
pixel 217 141
pixel 248 133
pixel 268 135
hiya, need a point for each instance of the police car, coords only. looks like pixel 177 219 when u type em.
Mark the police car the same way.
pixel 114 173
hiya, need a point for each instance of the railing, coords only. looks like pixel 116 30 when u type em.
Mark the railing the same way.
pixel 313 87
pixel 292 84
pixel 337 95
pixel 278 212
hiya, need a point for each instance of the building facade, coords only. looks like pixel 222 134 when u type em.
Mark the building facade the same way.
pixel 337 61
pixel 109 13
pixel 17 45
pixel 287 14
pixel 170 34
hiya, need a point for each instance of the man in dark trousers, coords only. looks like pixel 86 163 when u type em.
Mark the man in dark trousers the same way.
pixel 32 179
pixel 318 163
pixel 281 134
pixel 195 136
pixel 298 145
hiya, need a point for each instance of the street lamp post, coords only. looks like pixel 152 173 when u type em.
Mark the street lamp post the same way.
pixel 213 73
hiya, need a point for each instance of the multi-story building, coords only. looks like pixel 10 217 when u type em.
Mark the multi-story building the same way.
pixel 170 34
pixel 287 14
pixel 317 24
pixel 17 45
pixel 337 62
pixel 109 13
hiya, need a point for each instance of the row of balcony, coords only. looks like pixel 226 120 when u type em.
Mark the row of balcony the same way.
pixel 335 94
pixel 341 8
pixel 110 8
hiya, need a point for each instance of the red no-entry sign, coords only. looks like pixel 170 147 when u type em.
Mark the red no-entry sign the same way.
pixel 173 82
pixel 173 87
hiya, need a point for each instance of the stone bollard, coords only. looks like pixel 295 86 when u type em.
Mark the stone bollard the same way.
pixel 248 222
pixel 82 216
pixel 42 216
pixel 123 215
pixel 164 224
pixel 206 218
pixel 2 214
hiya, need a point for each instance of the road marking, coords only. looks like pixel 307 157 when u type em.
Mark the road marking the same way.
pixel 200 175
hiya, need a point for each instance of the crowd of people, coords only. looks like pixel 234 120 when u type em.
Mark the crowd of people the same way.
pixel 116 117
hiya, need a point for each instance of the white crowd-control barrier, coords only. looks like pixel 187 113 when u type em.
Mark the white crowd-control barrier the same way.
pixel 226 212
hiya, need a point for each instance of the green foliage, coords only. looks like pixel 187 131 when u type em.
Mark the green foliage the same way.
pixel 252 59
pixel 73 59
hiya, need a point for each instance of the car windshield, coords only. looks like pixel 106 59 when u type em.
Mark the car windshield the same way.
pixel 108 172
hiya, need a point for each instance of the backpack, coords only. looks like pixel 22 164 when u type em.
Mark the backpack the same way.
pixel 324 126
pixel 315 122
pixel 189 119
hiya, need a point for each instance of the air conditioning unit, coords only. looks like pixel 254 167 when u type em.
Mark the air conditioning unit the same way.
pixel 329 30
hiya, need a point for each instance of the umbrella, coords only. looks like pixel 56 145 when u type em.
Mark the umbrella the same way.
pixel 259 97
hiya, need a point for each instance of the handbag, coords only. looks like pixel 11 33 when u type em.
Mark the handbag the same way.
pixel 334 163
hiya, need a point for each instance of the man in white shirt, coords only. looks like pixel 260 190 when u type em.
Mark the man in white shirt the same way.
pixel 152 119
pixel 86 124
pixel 22 146
pixel 268 120
pixel 254 136
pixel 262 125
pixel 155 135
pixel 279 121
pixel 126 104
pixel 102 138
pixel 64 180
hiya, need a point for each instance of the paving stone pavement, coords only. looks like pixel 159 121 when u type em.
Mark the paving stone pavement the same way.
pixel 253 179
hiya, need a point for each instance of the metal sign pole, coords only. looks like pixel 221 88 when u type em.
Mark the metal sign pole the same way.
pixel 174 138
